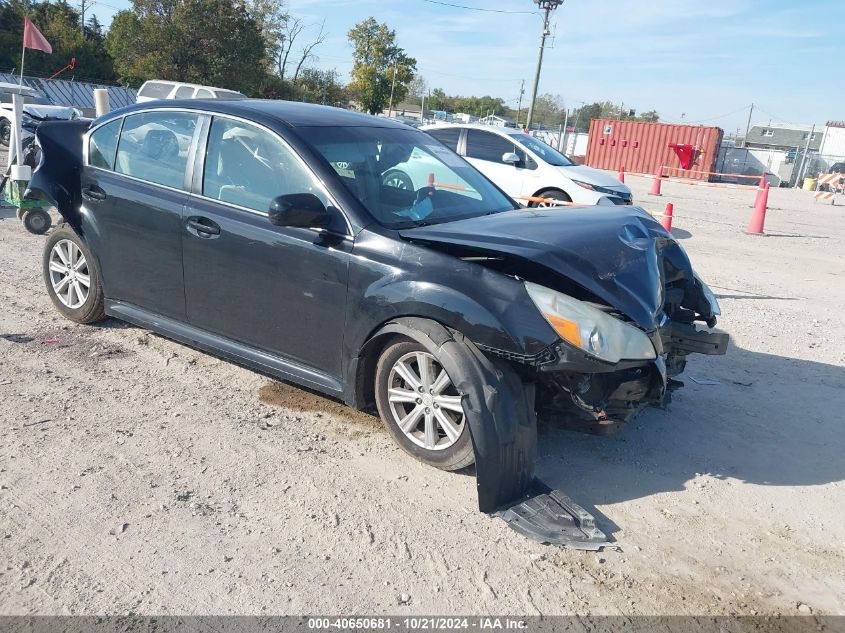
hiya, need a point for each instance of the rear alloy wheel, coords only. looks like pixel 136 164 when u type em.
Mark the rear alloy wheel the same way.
pixel 72 277
pixel 421 407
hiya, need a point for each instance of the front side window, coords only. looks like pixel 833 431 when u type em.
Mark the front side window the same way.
pixel 249 166
pixel 154 146
pixel 102 145
pixel 404 177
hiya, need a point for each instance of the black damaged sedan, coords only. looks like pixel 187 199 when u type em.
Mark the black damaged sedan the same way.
pixel 277 235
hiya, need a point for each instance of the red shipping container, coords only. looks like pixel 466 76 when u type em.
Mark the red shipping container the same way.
pixel 643 147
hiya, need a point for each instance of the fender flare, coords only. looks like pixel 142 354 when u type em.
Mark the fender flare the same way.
pixel 498 406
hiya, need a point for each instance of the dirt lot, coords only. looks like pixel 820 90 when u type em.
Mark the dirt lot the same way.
pixel 137 475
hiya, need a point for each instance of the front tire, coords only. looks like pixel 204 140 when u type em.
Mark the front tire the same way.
pixel 421 408
pixel 5 132
pixel 554 194
pixel 73 277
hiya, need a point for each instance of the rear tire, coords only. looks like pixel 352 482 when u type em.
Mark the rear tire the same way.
pixel 555 194
pixel 72 277
pixel 5 132
pixel 420 406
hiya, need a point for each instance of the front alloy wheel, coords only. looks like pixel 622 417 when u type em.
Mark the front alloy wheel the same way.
pixel 421 407
pixel 424 402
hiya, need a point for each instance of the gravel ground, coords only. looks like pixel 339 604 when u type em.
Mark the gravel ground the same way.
pixel 140 476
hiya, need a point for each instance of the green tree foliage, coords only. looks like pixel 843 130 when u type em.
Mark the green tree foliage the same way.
pixel 378 60
pixel 61 25
pixel 213 42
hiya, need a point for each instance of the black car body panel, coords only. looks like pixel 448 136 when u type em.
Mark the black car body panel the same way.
pixel 313 304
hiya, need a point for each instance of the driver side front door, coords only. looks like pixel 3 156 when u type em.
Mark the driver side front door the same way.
pixel 281 290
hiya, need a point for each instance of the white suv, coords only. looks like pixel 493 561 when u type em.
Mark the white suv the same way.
pixel 525 167
pixel 161 89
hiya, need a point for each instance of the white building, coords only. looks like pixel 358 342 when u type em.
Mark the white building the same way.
pixel 833 141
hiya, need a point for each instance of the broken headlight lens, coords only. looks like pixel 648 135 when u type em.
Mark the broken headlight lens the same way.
pixel 590 329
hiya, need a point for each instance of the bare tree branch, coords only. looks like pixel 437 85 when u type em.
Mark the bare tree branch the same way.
pixel 306 51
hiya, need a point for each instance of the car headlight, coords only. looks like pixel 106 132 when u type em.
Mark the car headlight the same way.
pixel 590 329
pixel 710 296
pixel 599 189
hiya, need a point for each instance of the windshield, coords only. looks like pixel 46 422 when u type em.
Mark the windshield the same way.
pixel 548 153
pixel 406 178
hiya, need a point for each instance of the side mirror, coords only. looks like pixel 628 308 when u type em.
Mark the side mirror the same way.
pixel 303 210
pixel 511 158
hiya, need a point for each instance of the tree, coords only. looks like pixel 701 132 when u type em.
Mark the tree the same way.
pixel 213 42
pixel 380 66
pixel 290 35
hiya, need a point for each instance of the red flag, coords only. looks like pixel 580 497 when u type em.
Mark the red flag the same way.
pixel 32 38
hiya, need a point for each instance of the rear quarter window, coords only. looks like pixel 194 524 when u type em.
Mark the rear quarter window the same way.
pixel 102 145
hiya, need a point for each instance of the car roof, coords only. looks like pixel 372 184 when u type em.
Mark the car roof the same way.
pixel 474 126
pixel 292 113
pixel 6 86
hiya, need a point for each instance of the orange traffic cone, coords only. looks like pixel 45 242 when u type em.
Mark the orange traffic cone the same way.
pixel 666 220
pixel 621 175
pixel 655 185
pixel 758 218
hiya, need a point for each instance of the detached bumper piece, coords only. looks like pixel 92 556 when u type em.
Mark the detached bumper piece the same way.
pixel 690 340
pixel 553 518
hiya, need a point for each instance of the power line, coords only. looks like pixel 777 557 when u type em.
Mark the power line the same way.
pixel 461 6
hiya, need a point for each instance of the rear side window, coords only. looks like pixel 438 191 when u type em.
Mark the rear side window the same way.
pixel 248 166
pixel 154 147
pixel 155 90
pixel 486 146
pixel 102 145
pixel 449 136
pixel 202 93
pixel 184 92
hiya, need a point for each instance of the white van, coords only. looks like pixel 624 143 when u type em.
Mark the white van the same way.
pixel 161 89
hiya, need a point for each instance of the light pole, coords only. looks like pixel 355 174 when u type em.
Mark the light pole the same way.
pixel 547 6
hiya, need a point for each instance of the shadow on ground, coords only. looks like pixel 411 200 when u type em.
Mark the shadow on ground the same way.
pixel 771 421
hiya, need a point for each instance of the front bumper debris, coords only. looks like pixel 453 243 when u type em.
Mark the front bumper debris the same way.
pixel 552 518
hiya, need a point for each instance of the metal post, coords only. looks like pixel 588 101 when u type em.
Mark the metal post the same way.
pixel 560 141
pixel 519 107
pixel 804 158
pixel 548 6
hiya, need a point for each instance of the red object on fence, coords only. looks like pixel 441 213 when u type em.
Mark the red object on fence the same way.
pixel 655 185
pixel 621 174
pixel 70 66
pixel 758 218
pixel 687 154
pixel 666 220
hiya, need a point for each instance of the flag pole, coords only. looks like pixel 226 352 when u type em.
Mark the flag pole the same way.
pixel 23 56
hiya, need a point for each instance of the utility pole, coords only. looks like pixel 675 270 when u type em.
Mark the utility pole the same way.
pixel 392 88
pixel 82 5
pixel 547 6
pixel 519 107
pixel 748 126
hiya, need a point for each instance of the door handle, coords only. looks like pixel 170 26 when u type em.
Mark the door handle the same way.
pixel 203 227
pixel 93 193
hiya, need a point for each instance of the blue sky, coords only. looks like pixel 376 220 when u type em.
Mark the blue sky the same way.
pixel 706 60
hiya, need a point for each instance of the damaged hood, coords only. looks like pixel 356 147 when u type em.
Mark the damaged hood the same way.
pixel 619 254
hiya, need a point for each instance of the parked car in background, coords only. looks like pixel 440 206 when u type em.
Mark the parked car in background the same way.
pixel 161 89
pixel 526 167
pixel 37 107
pixel 264 232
